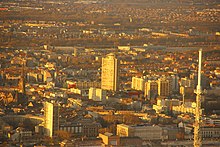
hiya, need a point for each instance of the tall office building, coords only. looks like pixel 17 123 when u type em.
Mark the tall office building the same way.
pixel 110 73
pixel 51 113
pixel 151 89
pixel 174 83
pixel 163 87
pixel 138 83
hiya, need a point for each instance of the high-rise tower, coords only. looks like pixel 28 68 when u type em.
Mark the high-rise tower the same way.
pixel 110 73
pixel 51 114
pixel 163 87
pixel 151 89
pixel 197 134
pixel 23 78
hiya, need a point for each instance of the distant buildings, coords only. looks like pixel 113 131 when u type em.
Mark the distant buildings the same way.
pixel 174 80
pixel 156 85
pixel 150 132
pixel 20 135
pixel 187 86
pixel 210 131
pixel 212 121
pixel 166 105
pixel 110 73
pixel 82 84
pixel 207 131
pixel 188 107
pixel 51 112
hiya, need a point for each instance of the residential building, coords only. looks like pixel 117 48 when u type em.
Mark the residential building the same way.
pixel 138 83
pixel 210 131
pixel 82 128
pixel 188 107
pixel 51 113
pixel 165 105
pixel 205 81
pixel 145 132
pixel 163 87
pixel 212 121
pixel 207 131
pixel 131 141
pixel 186 82
pixel 174 83
pixel 110 73
pixel 187 91
pixel 109 139
pixel 173 132
pixel 19 134
pixel 151 89
pixel 83 84
pixel 97 94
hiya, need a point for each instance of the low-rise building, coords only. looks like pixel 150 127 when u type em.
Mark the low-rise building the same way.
pixel 165 105
pixel 109 139
pixel 83 128
pixel 145 132
pixel 97 94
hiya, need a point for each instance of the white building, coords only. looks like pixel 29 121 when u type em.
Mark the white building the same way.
pixel 83 92
pixel 166 104
pixel 51 113
pixel 97 94
pixel 138 83
pixel 188 107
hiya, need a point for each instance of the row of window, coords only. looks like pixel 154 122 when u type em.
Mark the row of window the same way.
pixel 72 129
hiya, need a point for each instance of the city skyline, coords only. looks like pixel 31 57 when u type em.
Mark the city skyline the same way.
pixel 115 73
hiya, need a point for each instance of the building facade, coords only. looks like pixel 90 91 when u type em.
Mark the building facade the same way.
pixel 110 73
pixel 138 83
pixel 145 132
pixel 97 94
pixel 51 113
pixel 82 128
pixel 163 87
pixel 109 139
pixel 151 89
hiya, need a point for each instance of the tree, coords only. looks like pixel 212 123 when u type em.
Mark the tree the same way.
pixel 131 119
pixel 62 135
pixel 28 124
pixel 103 122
